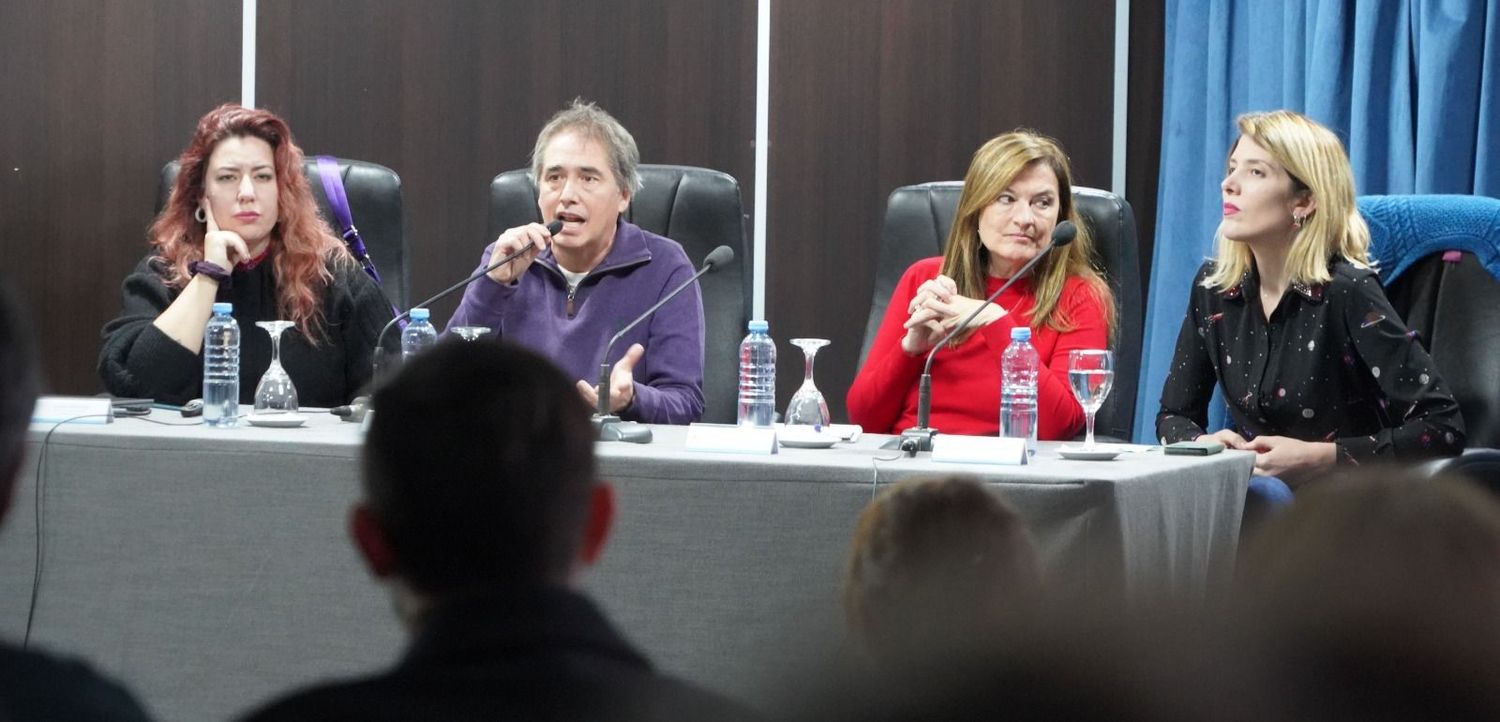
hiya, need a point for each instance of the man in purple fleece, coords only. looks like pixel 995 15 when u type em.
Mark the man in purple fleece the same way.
pixel 568 294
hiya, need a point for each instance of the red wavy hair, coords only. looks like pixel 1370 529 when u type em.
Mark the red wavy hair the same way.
pixel 302 245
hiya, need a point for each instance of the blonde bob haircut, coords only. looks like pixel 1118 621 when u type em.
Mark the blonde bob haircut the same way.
pixel 1313 156
pixel 994 167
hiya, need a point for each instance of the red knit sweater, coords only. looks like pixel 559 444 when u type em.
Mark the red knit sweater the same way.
pixel 966 378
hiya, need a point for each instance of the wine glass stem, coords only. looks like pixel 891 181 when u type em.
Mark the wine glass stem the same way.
pixel 807 367
pixel 276 348
pixel 1088 441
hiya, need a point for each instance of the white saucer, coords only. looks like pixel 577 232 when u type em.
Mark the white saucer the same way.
pixel 276 421
pixel 808 440
pixel 1078 453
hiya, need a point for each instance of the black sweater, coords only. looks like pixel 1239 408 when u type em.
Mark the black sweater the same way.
pixel 138 360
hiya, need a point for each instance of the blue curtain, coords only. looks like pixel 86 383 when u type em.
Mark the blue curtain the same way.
pixel 1413 89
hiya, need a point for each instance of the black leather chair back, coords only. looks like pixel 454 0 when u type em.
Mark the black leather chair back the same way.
pixel 374 193
pixel 698 208
pixel 1454 306
pixel 918 219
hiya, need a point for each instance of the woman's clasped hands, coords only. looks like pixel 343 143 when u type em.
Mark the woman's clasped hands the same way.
pixel 936 309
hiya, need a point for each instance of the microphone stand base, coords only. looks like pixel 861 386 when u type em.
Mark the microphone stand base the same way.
pixel 917 438
pixel 611 428
pixel 355 411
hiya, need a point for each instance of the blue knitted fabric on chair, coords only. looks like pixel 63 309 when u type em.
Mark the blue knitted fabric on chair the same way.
pixel 1404 229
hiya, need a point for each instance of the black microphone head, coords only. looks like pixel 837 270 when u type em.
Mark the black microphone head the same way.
pixel 1064 233
pixel 719 256
pixel 554 227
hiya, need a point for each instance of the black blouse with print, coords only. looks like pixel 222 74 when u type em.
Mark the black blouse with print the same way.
pixel 1334 363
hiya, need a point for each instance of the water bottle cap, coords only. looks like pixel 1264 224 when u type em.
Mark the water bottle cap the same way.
pixel 223 308
pixel 1020 333
pixel 420 314
pixel 759 325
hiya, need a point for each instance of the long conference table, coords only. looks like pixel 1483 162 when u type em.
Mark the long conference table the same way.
pixel 209 569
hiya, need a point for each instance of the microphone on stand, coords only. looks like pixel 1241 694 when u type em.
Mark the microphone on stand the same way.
pixel 919 437
pixel 357 408
pixel 609 426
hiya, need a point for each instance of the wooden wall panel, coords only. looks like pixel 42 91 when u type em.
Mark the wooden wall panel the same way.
pixel 1143 146
pixel 449 93
pixel 869 96
pixel 98 95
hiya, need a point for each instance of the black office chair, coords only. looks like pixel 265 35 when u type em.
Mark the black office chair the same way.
pixel 374 193
pixel 1452 300
pixel 918 219
pixel 698 208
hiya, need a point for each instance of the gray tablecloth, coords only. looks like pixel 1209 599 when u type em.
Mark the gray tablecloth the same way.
pixel 209 569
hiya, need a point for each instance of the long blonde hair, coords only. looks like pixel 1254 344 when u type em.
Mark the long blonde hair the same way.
pixel 994 167
pixel 1313 156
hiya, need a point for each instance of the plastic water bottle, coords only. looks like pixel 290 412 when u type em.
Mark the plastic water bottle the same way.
pixel 1018 370
pixel 221 368
pixel 757 377
pixel 419 334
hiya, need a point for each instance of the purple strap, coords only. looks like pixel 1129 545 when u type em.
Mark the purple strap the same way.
pixel 333 187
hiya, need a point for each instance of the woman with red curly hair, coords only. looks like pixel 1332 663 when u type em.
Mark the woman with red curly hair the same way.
pixel 241 226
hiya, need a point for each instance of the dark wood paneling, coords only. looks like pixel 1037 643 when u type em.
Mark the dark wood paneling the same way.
pixel 98 95
pixel 870 96
pixel 1143 146
pixel 449 93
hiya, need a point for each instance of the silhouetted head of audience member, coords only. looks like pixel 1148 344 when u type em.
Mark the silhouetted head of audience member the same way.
pixel 19 386
pixel 933 562
pixel 1377 596
pixel 479 475
pixel 1378 540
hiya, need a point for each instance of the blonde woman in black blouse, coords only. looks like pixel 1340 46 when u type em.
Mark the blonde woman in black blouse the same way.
pixel 1290 321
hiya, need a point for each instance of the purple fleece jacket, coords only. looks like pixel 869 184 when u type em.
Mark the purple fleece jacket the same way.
pixel 639 269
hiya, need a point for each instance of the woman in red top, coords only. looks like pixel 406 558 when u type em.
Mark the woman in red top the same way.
pixel 1016 191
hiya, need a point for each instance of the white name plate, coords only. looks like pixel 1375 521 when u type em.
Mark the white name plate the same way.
pixel 57 409
pixel 725 439
pixel 978 450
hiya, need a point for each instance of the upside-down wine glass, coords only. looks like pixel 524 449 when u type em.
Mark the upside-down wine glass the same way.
pixel 275 393
pixel 470 333
pixel 1091 373
pixel 808 407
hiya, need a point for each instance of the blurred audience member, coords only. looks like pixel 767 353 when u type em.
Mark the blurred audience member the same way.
pixel 481 511
pixel 1377 596
pixel 935 561
pixel 34 686
pixel 1374 597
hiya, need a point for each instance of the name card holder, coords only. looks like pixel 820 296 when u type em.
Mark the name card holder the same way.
pixel 978 450
pixel 57 409
pixel 728 439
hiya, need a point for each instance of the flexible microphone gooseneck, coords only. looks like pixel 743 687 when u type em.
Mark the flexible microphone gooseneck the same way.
pixel 552 229
pixel 919 437
pixel 355 411
pixel 609 426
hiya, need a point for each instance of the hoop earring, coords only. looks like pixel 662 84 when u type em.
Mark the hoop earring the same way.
pixel 199 215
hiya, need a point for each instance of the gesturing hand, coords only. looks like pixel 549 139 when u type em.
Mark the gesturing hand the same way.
pixel 222 248
pixel 621 381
